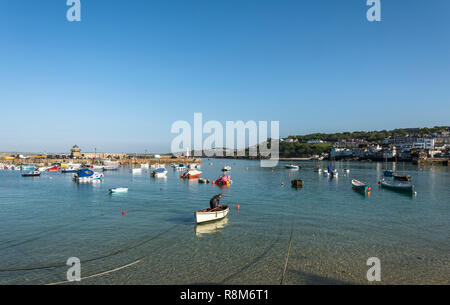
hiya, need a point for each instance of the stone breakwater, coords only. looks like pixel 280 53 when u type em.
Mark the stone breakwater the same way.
pixel 124 161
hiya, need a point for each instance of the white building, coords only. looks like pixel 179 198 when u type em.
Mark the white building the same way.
pixel 424 143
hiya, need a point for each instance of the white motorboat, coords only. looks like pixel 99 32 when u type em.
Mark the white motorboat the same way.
pixel 292 166
pixel 180 167
pixel 136 171
pixel 226 168
pixel 119 190
pixel 207 215
pixel 34 173
pixel 87 176
pixel 159 173
pixel 191 174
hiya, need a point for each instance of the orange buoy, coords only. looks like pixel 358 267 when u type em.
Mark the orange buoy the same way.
pixel 238 207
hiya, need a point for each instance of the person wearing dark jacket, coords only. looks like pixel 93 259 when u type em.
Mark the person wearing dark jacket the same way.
pixel 215 201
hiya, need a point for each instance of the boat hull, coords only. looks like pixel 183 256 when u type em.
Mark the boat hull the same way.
pixel 204 216
pixel 407 188
pixel 359 186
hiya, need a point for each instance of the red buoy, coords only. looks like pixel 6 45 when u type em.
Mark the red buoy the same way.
pixel 123 213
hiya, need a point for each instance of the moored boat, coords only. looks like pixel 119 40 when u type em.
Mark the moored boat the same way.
pixel 400 177
pixel 360 186
pixel 226 168
pixel 34 173
pixel 159 173
pixel 87 176
pixel 180 167
pixel 119 190
pixel 191 174
pixel 53 169
pixel 136 171
pixel 208 215
pixel 297 183
pixel 292 166
pixel 223 180
pixel 398 186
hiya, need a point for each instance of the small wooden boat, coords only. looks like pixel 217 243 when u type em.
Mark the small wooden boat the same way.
pixel 32 174
pixel 388 173
pixel 360 186
pixel 297 183
pixel 207 215
pixel 119 190
pixel 398 186
pixel 400 177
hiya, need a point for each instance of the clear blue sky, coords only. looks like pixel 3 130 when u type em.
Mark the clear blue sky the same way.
pixel 118 79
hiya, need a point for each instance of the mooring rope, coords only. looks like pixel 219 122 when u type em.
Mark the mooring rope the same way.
pixel 113 253
pixel 287 255
pixel 101 273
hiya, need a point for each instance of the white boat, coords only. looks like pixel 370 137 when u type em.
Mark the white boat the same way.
pixel 207 215
pixel 144 165
pixel 226 168
pixel 34 173
pixel 136 171
pixel 191 174
pixel 159 173
pixel 87 176
pixel 194 166
pixel 180 167
pixel 292 166
pixel 119 190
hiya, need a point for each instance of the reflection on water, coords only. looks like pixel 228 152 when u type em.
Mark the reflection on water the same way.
pixel 210 228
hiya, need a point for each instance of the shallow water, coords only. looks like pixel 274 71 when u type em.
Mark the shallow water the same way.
pixel 46 220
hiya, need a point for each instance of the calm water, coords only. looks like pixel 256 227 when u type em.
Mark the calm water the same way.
pixel 46 220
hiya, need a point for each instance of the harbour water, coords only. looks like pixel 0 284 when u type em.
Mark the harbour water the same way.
pixel 46 220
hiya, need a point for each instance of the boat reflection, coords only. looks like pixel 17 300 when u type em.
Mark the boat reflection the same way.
pixel 210 228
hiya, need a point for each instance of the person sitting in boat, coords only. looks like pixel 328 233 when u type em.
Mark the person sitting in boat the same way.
pixel 215 201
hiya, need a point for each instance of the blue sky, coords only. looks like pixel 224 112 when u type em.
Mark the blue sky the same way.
pixel 117 80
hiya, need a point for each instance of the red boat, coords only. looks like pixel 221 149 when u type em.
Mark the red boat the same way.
pixel 191 174
pixel 53 169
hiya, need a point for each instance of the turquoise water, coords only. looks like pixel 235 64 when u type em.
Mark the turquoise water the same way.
pixel 46 220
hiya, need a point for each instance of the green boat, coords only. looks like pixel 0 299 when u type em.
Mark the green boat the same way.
pixel 360 186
